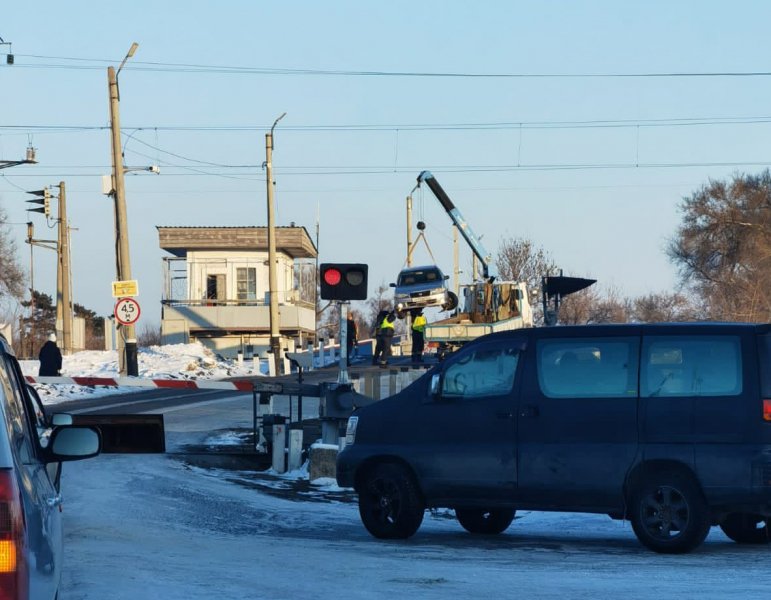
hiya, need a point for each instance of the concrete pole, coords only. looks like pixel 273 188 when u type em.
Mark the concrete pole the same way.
pixel 275 340
pixel 64 287
pixel 30 236
pixel 127 343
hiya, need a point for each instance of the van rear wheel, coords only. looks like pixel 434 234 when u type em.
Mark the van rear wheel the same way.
pixel 390 504
pixel 485 522
pixel 746 528
pixel 669 513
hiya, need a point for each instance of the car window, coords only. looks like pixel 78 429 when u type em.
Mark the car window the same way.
pixel 420 276
pixel 486 371
pixel 691 366
pixel 21 436
pixel 588 367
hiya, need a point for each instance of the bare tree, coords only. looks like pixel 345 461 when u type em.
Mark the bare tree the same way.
pixel 12 277
pixel 723 247
pixel 518 259
pixel 592 305
pixel 663 308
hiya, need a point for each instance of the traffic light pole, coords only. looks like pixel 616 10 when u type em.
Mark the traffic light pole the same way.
pixel 342 376
pixel 127 343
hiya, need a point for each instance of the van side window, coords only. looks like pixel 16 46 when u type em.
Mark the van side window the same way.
pixel 587 368
pixel 691 366
pixel 488 371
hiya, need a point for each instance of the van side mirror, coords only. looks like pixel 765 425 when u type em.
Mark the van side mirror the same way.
pixel 391 285
pixel 446 276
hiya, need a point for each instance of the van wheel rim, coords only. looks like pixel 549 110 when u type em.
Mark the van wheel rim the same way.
pixel 665 513
pixel 385 500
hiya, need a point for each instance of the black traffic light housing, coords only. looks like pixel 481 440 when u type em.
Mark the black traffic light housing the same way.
pixel 343 281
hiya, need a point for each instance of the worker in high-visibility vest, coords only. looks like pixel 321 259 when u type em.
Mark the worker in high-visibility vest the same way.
pixel 384 337
pixel 418 329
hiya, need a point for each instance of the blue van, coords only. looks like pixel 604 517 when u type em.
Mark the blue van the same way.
pixel 666 425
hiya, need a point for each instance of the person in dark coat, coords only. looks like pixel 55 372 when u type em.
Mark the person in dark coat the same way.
pixel 352 336
pixel 50 358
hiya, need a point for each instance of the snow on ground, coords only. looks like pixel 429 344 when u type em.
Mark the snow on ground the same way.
pixel 172 361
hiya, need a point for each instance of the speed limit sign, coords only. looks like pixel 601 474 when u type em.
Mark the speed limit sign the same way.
pixel 127 311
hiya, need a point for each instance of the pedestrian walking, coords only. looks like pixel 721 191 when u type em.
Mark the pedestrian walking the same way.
pixel 50 358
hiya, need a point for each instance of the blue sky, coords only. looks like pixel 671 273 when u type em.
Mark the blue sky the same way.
pixel 592 169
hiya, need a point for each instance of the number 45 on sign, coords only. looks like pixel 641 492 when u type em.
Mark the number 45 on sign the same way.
pixel 127 311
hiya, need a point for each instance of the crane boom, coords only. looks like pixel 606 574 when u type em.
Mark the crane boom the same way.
pixel 457 218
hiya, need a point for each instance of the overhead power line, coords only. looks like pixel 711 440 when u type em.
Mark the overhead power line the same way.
pixel 69 62
pixel 592 123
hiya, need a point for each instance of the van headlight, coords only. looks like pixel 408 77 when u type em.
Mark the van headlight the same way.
pixel 350 430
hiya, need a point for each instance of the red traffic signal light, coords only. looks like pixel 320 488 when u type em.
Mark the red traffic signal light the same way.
pixel 343 281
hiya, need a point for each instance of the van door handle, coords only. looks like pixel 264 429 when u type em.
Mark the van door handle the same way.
pixel 54 500
pixel 529 411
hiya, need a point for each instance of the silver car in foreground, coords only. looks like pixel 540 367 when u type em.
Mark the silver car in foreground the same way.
pixel 32 448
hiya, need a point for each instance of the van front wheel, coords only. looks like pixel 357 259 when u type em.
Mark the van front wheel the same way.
pixel 486 522
pixel 745 528
pixel 390 504
pixel 669 513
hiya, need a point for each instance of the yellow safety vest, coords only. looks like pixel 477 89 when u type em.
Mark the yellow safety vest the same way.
pixel 419 324
pixel 386 324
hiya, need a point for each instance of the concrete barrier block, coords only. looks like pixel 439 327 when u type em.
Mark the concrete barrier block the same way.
pixel 322 461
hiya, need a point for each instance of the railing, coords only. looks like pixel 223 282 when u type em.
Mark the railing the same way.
pixel 212 302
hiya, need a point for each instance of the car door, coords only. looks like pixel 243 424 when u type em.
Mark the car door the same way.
pixel 467 447
pixel 578 420
pixel 39 495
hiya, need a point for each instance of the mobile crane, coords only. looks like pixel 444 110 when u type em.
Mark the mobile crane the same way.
pixel 486 306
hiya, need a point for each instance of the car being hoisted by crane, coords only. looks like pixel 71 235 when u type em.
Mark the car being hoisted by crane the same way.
pixel 485 306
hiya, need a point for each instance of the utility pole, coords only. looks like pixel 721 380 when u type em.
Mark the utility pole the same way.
pixel 63 284
pixel 127 343
pixel 275 341
pixel 30 236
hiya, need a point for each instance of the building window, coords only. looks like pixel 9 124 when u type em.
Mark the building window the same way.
pixel 246 283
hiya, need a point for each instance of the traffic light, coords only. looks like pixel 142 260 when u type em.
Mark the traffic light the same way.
pixel 343 281
pixel 44 199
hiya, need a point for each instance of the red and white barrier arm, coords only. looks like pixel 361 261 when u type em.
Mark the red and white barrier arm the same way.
pixel 241 386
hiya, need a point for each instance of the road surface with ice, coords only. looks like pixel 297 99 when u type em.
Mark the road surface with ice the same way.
pixel 155 526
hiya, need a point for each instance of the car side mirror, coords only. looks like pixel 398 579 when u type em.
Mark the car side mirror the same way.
pixel 446 276
pixel 73 443
pixel 391 285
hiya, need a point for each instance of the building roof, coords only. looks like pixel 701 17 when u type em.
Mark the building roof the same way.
pixel 293 241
